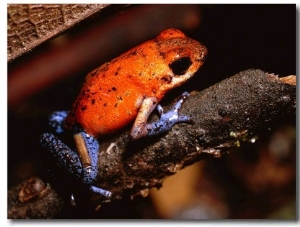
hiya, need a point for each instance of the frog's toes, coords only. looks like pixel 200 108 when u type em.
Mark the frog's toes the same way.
pixel 56 120
pixel 183 97
pixel 101 191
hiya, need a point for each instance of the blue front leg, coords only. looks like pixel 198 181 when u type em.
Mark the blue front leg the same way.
pixel 169 119
pixel 70 159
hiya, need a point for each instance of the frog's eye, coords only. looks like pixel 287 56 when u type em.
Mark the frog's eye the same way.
pixel 181 65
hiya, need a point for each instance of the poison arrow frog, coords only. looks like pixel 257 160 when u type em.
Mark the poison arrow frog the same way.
pixel 121 91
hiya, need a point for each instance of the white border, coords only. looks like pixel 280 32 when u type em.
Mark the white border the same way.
pixel 3 123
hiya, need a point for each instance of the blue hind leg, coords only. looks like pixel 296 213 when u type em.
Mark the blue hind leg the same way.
pixel 69 159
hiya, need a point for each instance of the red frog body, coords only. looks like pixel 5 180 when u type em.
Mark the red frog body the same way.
pixel 113 93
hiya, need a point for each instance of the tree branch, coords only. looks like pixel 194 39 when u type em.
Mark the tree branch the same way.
pixel 236 109
pixel 225 115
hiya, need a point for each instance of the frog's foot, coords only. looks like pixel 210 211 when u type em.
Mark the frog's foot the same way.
pixel 70 160
pixel 56 120
pixel 169 119
pixel 101 191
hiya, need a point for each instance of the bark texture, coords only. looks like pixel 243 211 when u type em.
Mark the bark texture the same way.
pixel 32 24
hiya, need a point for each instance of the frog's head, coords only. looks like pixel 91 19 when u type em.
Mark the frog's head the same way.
pixel 182 56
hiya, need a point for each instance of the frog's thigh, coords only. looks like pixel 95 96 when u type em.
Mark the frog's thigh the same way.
pixel 66 157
